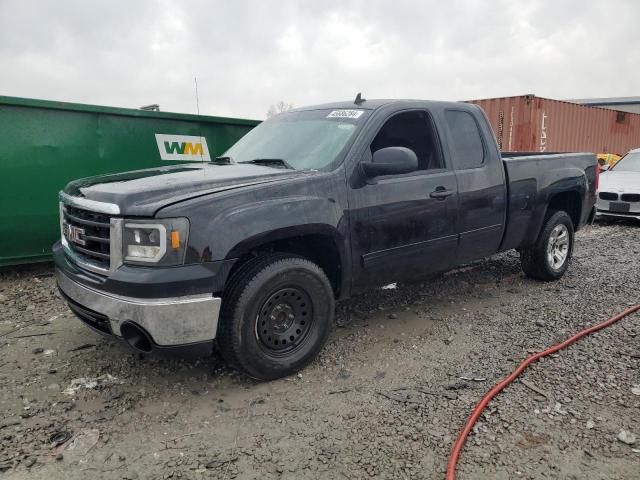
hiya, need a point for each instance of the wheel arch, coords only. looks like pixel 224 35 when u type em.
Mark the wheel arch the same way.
pixel 319 243
pixel 570 202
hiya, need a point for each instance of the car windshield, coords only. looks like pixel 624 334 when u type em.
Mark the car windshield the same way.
pixel 306 140
pixel 628 163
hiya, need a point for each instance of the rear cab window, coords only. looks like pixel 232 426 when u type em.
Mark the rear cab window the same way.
pixel 466 144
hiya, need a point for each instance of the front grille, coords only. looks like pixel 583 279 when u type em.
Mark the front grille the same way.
pixel 608 196
pixel 92 242
pixel 630 197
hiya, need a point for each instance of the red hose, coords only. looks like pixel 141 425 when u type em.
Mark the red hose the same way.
pixel 479 408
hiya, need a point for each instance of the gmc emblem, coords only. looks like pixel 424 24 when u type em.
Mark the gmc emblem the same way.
pixel 73 234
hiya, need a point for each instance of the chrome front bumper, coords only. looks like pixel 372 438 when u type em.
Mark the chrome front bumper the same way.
pixel 606 213
pixel 169 321
pixel 603 209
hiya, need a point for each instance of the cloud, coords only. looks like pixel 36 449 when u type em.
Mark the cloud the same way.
pixel 250 54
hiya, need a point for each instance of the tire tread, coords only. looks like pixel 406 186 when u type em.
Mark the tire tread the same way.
pixel 237 294
pixel 533 259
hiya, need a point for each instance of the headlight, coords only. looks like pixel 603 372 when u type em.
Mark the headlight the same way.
pixel 161 241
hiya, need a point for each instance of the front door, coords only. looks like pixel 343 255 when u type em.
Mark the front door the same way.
pixel 406 225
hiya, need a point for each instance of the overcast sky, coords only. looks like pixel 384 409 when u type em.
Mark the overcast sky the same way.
pixel 247 55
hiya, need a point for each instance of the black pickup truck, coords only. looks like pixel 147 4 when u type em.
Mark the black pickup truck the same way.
pixel 252 249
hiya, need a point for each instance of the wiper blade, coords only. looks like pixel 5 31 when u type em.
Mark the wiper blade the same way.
pixel 222 160
pixel 270 162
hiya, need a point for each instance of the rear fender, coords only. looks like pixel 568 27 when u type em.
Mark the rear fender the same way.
pixel 561 181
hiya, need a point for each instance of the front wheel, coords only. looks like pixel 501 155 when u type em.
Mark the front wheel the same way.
pixel 548 259
pixel 276 316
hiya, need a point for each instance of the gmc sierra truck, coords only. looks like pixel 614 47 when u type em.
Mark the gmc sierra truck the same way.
pixel 252 249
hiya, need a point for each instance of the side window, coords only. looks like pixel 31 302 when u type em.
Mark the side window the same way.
pixel 466 143
pixel 412 130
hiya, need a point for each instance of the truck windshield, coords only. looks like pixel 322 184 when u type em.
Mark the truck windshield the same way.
pixel 307 140
pixel 628 163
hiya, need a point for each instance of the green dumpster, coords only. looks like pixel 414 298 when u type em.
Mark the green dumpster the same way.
pixel 45 144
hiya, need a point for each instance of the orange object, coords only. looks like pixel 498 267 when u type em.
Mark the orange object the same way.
pixel 608 158
pixel 175 239
pixel 479 408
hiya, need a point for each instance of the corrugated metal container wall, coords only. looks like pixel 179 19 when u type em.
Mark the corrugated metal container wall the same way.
pixel 528 124
pixel 44 145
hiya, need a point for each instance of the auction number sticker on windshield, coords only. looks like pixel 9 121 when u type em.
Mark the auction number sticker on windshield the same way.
pixel 345 114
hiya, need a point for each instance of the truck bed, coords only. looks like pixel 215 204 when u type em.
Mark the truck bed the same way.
pixel 533 179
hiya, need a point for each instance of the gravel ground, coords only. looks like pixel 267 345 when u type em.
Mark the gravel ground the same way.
pixel 385 399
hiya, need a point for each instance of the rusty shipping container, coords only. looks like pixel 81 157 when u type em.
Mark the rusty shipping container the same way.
pixel 534 124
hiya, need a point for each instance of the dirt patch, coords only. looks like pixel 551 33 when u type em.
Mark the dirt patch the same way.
pixel 385 399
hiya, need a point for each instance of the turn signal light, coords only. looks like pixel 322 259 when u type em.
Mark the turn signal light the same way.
pixel 175 239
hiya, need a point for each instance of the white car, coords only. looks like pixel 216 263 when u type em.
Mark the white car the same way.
pixel 619 191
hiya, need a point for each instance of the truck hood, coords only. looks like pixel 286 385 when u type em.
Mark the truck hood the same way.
pixel 144 192
pixel 620 182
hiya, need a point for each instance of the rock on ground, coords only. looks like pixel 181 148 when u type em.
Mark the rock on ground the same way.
pixel 385 399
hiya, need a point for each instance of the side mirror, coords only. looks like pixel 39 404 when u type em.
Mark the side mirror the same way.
pixel 391 161
pixel 605 167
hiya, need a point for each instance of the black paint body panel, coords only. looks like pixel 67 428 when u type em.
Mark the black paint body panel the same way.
pixel 150 282
pixel 384 229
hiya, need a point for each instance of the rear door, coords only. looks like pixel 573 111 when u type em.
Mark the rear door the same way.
pixel 405 225
pixel 482 194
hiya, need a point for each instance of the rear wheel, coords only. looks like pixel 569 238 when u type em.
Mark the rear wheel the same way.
pixel 276 316
pixel 548 259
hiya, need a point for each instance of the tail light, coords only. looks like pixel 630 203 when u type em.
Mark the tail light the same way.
pixel 597 175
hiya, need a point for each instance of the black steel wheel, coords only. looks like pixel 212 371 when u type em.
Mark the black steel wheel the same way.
pixel 277 313
pixel 285 320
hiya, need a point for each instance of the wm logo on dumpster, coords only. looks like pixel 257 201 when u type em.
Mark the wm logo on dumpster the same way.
pixel 183 148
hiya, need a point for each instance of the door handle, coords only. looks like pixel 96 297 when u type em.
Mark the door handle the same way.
pixel 441 193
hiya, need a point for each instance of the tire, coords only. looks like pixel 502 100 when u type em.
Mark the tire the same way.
pixel 277 314
pixel 549 258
